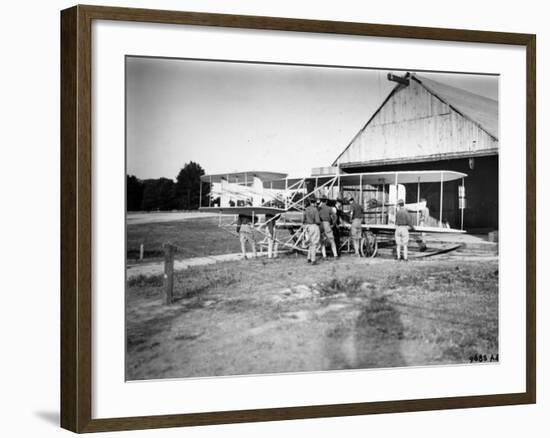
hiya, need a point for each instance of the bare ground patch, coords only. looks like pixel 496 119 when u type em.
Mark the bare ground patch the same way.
pixel 273 316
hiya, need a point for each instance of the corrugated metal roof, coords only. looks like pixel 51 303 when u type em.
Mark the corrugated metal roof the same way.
pixel 479 109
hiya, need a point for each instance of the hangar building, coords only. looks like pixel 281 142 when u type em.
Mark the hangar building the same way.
pixel 428 125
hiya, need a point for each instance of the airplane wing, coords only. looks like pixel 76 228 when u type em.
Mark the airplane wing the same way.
pixel 242 177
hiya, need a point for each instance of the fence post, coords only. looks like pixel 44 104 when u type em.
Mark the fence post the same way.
pixel 168 273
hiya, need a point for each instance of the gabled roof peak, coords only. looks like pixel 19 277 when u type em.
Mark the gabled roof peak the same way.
pixel 481 110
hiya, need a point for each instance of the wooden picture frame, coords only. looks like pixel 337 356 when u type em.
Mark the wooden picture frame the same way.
pixel 76 218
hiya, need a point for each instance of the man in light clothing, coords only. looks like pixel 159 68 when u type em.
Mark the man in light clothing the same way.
pixel 272 244
pixel 356 228
pixel 312 221
pixel 245 228
pixel 403 222
pixel 424 213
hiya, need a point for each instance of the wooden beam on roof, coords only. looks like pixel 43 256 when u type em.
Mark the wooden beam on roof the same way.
pixel 420 159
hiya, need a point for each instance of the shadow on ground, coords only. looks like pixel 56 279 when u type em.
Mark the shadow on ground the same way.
pixel 373 340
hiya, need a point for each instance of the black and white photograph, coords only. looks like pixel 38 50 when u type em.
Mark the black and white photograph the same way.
pixel 285 218
pixel 275 219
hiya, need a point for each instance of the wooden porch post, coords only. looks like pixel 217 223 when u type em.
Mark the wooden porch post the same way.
pixel 441 202
pixel 383 199
pixel 417 202
pixel 462 209
pixel 361 189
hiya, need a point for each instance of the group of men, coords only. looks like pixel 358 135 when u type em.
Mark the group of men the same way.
pixel 321 223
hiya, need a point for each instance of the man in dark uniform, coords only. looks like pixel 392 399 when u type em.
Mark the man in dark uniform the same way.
pixel 312 221
pixel 328 217
pixel 403 222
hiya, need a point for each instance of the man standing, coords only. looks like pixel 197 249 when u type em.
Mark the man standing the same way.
pixel 245 228
pixel 356 222
pixel 339 213
pixel 424 212
pixel 272 244
pixel 403 222
pixel 328 217
pixel 311 221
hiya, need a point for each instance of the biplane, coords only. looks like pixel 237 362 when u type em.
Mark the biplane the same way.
pixel 269 196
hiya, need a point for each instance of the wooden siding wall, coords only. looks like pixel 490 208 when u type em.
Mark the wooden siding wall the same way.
pixel 415 124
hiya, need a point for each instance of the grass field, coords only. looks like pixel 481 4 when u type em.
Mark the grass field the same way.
pixel 271 316
pixel 193 237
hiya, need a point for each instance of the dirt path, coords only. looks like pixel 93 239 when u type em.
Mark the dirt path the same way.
pixel 272 316
pixel 157 268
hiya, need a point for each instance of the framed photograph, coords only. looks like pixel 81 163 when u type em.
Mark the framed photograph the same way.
pixel 270 218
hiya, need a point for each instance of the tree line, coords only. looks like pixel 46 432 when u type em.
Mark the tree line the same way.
pixel 166 194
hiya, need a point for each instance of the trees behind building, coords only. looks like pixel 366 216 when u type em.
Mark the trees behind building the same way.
pixel 134 193
pixel 187 189
pixel 158 194
pixel 165 194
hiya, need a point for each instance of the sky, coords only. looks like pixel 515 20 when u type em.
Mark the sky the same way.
pixel 231 117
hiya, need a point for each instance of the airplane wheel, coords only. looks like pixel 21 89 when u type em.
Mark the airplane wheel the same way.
pixel 374 247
